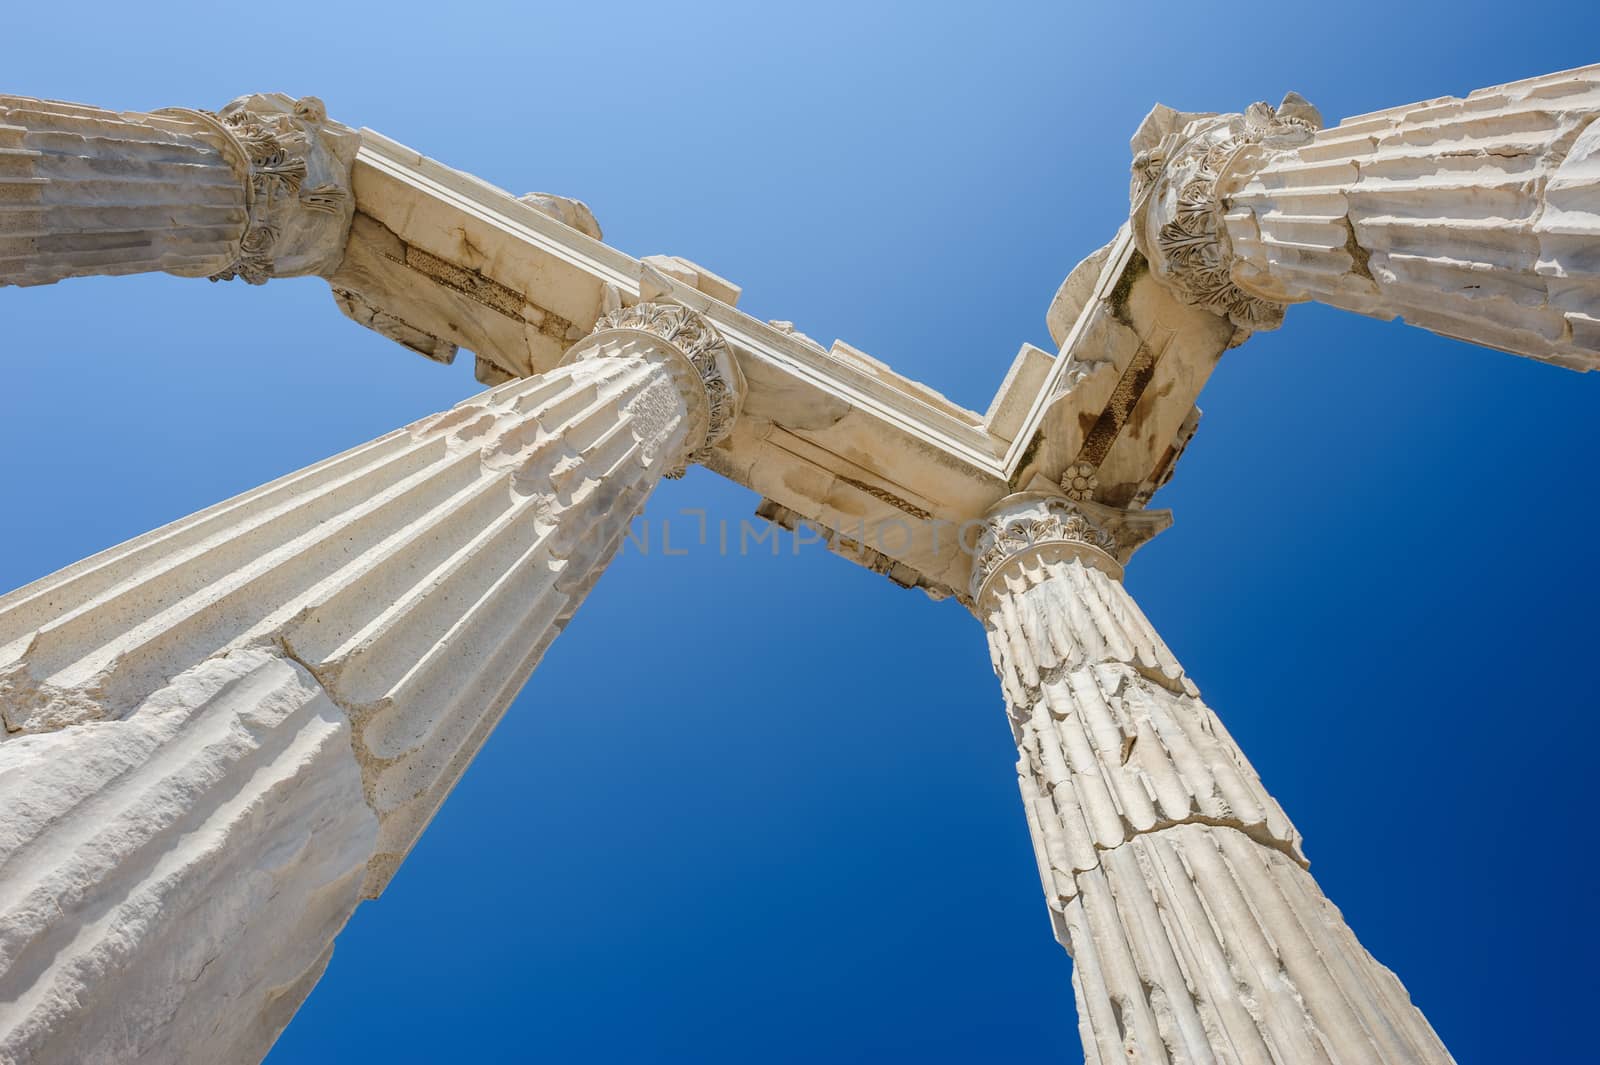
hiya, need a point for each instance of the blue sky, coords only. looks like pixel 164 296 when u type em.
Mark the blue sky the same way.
pixel 765 807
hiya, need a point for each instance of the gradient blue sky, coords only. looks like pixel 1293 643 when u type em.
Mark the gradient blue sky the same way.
pixel 764 808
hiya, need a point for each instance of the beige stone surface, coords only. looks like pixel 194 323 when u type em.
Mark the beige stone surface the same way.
pixel 220 736
pixel 1120 396
pixel 440 261
pixel 1173 878
pixel 1473 217
pixel 1181 164
pixel 171 881
pixel 1008 411
pixel 566 210
pixel 1198 944
pixel 260 189
pixel 223 734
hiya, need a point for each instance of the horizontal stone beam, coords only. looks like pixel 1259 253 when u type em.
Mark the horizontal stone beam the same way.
pixel 440 261
pixel 830 436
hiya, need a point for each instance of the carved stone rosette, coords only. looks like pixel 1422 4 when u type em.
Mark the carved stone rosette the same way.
pixel 1080 481
pixel 258 190
pixel 694 352
pixel 1173 878
pixel 1181 167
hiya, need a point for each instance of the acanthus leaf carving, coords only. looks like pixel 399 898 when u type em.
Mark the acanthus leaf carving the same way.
pixel 1028 524
pixel 700 346
pixel 296 168
pixel 1182 169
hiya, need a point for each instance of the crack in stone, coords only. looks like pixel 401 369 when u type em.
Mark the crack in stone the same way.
pixel 1257 834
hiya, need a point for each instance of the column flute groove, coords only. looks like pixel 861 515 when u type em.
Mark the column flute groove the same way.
pixel 1172 877
pixel 258 190
pixel 222 735
pixel 1473 217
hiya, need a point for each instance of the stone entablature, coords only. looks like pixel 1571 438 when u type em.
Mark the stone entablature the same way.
pixel 305 670
pixel 440 260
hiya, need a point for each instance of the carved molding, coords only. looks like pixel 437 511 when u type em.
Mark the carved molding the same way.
pixel 1182 169
pixel 295 166
pixel 1030 525
pixel 699 347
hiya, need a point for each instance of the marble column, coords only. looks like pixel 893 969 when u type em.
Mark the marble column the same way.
pixel 1173 879
pixel 260 189
pixel 1478 217
pixel 222 735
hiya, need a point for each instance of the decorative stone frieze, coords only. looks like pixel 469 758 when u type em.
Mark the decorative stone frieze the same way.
pixel 1173 878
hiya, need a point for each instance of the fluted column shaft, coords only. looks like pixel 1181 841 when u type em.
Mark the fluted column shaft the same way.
pixel 258 190
pixel 220 736
pixel 1172 877
pixel 1478 218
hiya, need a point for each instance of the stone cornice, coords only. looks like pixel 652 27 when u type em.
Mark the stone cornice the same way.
pixel 387 169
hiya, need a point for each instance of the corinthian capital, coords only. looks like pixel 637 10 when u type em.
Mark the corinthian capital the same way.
pixel 295 166
pixel 701 362
pixel 1184 167
pixel 1040 527
pixel 258 190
